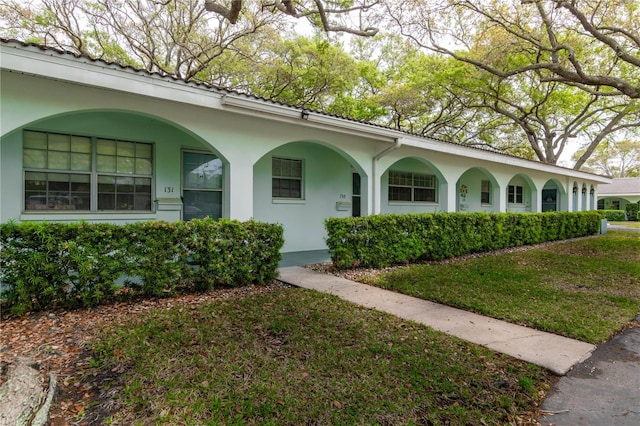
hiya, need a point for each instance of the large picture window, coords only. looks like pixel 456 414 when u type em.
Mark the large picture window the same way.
pixel 412 187
pixel 515 194
pixel 69 172
pixel 286 178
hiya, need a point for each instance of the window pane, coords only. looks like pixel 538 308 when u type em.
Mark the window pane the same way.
pixel 421 194
pixel 124 184
pixel 107 147
pixel 80 144
pixel 58 182
pixel 35 181
pixel 143 150
pixel 124 202
pixel 106 201
pixel 80 183
pixel 34 159
pixel 143 166
pixel 143 186
pixel 37 140
pixel 397 193
pixel 106 184
pixel 106 163
pixel 59 160
pixel 81 162
pixel 59 142
pixel 125 165
pixel 126 149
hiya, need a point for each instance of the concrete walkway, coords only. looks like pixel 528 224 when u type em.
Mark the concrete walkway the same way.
pixel 556 353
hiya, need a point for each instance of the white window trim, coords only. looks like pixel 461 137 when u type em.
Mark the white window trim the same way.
pixel 289 200
pixel 93 211
pixel 515 195
pixel 412 186
pixel 490 203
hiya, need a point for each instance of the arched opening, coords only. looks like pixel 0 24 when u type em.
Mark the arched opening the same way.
pixel 553 196
pixel 477 190
pixel 413 185
pixel 300 184
pixel 521 194
pixel 114 165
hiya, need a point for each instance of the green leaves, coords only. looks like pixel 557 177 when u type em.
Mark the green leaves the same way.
pixel 384 240
pixel 46 265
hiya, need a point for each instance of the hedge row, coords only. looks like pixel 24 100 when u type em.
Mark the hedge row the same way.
pixel 46 265
pixel 384 240
pixel 614 215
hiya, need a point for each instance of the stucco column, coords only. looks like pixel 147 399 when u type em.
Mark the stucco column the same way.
pixel 238 189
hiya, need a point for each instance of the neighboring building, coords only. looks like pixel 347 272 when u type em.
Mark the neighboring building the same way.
pixel 85 139
pixel 619 193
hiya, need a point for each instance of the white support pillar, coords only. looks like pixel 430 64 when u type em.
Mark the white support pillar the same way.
pixel 238 197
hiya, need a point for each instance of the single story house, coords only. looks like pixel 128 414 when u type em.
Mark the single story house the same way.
pixel 619 193
pixel 86 139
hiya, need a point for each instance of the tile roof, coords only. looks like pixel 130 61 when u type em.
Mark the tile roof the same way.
pixel 207 86
pixel 621 186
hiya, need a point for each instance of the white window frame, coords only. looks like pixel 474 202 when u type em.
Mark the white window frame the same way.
pixel 512 197
pixel 300 179
pixel 93 174
pixel 413 186
pixel 488 192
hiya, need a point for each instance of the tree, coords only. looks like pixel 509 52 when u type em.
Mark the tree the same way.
pixel 512 46
pixel 618 159
pixel 593 45
pixel 178 38
pixel 328 15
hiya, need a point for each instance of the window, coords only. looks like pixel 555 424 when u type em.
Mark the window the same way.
pixel 516 194
pixel 68 172
pixel 485 192
pixel 413 187
pixel 286 178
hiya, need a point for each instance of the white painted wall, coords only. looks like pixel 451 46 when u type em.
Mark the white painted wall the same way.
pixel 326 181
pixel 107 102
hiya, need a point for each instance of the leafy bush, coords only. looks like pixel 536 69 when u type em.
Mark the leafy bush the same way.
pixel 383 240
pixel 47 265
pixel 632 211
pixel 614 215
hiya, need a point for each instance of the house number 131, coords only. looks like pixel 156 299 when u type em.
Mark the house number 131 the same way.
pixel 168 189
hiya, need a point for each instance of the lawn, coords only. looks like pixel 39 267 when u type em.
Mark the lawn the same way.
pixel 587 289
pixel 294 356
pixel 628 224
pixel 297 356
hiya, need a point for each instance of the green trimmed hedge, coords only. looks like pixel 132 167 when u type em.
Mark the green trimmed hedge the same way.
pixel 614 215
pixel 384 240
pixel 49 265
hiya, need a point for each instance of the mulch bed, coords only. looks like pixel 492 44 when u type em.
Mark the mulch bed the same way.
pixel 58 343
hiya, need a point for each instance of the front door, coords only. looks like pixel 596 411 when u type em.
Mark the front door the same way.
pixel 201 185
pixel 549 200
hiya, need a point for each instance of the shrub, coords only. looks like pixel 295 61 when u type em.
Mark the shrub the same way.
pixel 383 240
pixel 632 211
pixel 47 265
pixel 614 215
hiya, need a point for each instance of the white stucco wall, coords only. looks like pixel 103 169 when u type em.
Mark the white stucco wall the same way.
pixel 77 96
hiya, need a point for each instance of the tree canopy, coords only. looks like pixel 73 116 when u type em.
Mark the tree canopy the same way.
pixel 527 77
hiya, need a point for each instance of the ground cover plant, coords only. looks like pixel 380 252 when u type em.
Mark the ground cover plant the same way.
pixel 587 289
pixel 301 357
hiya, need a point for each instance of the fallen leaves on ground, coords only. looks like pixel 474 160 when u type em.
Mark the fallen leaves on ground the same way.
pixel 58 343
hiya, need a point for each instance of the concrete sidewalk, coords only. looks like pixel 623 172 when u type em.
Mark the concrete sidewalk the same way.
pixel 556 353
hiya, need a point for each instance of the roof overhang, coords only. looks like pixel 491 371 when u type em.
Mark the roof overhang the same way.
pixel 67 67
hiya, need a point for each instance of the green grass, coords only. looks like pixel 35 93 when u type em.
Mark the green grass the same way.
pixel 296 356
pixel 628 224
pixel 587 289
